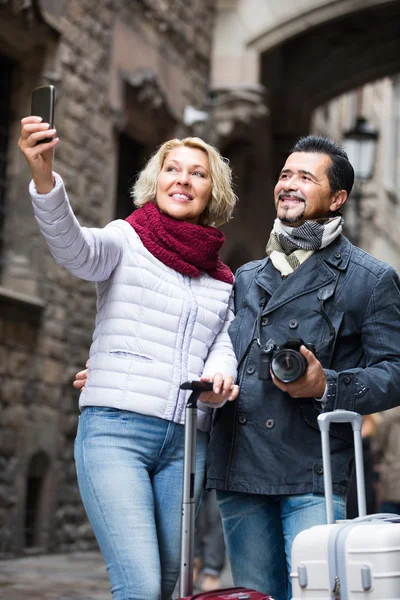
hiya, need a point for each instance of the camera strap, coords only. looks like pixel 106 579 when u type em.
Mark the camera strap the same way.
pixel 256 331
pixel 262 305
pixel 324 294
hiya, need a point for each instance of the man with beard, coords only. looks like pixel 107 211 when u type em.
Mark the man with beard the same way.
pixel 314 289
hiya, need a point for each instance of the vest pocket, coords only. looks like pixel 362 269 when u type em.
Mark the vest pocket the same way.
pixel 131 355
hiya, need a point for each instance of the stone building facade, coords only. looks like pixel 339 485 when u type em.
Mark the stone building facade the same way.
pixel 124 72
pixel 127 72
pixel 375 225
pixel 273 65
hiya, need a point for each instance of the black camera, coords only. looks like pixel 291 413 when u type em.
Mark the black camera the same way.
pixel 286 362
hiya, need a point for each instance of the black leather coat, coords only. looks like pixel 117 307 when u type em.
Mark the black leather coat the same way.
pixel 267 442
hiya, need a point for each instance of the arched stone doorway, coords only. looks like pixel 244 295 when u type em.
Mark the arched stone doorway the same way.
pixel 324 61
pixel 303 54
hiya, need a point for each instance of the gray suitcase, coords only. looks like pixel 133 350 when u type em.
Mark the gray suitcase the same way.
pixel 348 560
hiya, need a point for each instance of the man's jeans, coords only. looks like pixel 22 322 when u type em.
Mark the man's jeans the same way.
pixel 259 532
pixel 209 545
pixel 129 470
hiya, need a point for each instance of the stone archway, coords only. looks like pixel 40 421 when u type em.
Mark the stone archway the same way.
pixel 302 54
pixel 324 61
pixel 293 19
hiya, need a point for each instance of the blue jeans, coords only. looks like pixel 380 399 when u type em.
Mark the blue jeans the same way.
pixel 209 545
pixel 390 507
pixel 129 469
pixel 259 532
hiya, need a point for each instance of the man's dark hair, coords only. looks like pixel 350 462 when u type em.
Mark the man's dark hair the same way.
pixel 340 173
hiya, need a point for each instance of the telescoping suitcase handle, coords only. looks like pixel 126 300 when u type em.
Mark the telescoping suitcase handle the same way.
pixel 189 473
pixel 324 422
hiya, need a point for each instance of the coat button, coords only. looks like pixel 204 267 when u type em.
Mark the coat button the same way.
pixel 319 470
pixel 264 321
pixel 347 379
pixel 269 423
pixel 250 370
pixel 242 419
pixel 337 255
pixel 293 324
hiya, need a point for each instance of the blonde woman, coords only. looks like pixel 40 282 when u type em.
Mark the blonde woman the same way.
pixel 164 304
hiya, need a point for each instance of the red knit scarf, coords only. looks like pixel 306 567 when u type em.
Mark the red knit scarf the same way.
pixel 186 248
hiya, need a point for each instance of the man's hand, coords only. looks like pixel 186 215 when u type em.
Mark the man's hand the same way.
pixel 81 377
pixel 223 389
pixel 311 385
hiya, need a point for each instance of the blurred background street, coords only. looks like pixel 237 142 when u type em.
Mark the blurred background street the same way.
pixel 248 76
pixel 74 576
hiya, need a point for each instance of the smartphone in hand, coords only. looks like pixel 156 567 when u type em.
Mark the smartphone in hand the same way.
pixel 42 105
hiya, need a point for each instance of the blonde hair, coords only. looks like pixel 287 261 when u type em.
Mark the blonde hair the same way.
pixel 223 199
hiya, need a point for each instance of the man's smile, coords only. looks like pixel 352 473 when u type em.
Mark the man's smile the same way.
pixel 287 199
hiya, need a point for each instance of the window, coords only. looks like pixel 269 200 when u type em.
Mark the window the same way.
pixel 36 499
pixel 6 69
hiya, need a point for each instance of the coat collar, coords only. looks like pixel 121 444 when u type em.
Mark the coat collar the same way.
pixel 338 253
pixel 322 268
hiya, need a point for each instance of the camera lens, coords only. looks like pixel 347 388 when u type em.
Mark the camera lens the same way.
pixel 288 365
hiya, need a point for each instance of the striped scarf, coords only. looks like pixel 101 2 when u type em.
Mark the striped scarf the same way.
pixel 288 247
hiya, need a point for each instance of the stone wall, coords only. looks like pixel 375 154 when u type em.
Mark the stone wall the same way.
pixel 46 314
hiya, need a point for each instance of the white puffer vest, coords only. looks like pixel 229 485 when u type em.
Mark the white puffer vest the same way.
pixel 155 328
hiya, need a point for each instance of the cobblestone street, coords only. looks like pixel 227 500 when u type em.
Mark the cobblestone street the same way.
pixel 74 576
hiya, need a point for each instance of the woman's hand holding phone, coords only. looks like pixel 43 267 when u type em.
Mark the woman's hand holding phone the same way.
pixel 39 156
pixel 38 139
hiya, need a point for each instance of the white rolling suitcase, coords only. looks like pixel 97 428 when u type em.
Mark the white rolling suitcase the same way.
pixel 348 560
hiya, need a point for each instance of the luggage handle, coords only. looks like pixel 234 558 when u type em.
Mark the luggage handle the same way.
pixel 189 472
pixel 385 517
pixel 324 422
